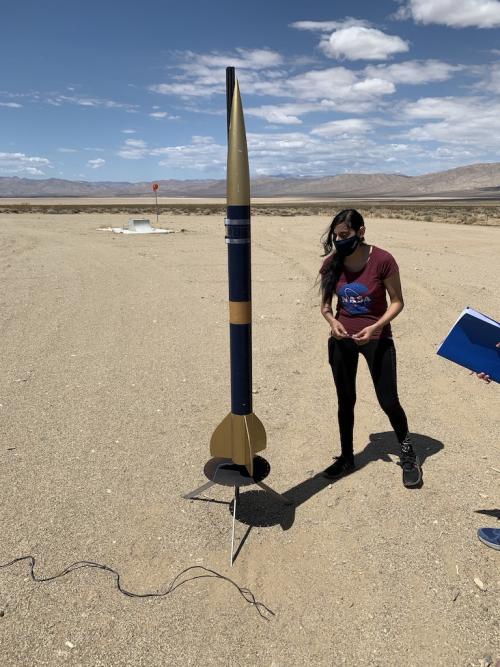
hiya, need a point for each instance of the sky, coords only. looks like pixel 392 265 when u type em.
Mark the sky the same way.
pixel 135 91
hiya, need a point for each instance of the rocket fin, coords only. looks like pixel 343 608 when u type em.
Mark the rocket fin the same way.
pixel 239 437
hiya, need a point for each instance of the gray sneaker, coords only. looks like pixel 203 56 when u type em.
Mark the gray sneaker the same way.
pixel 412 472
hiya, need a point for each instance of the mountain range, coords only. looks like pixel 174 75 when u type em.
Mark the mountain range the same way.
pixel 477 180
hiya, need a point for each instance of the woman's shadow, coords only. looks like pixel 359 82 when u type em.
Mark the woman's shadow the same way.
pixel 256 508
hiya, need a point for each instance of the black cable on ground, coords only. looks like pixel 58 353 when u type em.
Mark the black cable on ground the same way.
pixel 205 573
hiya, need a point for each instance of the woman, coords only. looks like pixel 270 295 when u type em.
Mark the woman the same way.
pixel 360 275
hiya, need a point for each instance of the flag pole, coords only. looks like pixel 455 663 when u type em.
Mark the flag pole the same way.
pixel 155 190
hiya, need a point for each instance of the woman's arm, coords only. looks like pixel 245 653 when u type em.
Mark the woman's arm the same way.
pixel 338 330
pixel 393 287
pixel 327 312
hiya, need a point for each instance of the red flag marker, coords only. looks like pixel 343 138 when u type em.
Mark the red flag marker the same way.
pixel 155 190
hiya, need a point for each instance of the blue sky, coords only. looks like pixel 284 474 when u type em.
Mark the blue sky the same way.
pixel 136 91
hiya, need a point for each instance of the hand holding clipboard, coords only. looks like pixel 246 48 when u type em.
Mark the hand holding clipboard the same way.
pixel 485 376
pixel 473 342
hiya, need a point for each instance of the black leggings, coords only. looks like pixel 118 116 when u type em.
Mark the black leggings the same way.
pixel 381 358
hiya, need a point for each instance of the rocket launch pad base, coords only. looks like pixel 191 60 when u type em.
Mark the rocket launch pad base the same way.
pixel 225 472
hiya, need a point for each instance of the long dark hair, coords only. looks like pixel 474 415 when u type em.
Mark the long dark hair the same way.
pixel 332 267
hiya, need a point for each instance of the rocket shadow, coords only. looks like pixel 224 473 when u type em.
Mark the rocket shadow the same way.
pixel 257 508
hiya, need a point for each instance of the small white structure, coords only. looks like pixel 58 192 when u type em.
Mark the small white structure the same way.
pixel 140 226
pixel 137 226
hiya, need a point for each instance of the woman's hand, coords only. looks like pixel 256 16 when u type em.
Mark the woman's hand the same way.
pixel 484 376
pixel 338 330
pixel 363 336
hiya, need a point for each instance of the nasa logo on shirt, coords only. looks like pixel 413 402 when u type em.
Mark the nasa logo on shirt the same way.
pixel 354 298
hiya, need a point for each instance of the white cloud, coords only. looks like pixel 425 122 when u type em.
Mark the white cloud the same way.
pixel 315 90
pixel 158 115
pixel 333 89
pixel 361 43
pixel 297 154
pixel 253 59
pixel 472 121
pixel 373 88
pixel 128 131
pixel 345 127
pixel 81 101
pixel 336 89
pixel 19 163
pixel 188 89
pixel 453 13
pixel 285 114
pixel 414 71
pixel 490 79
pixel 337 84
pixel 67 150
pixel 133 149
pixel 203 154
pixel 203 75
pixel 347 145
pixel 438 107
pixel 11 105
pixel 494 79
pixel 328 26
pixel 95 164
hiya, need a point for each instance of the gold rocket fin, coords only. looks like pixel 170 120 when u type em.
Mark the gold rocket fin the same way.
pixel 239 437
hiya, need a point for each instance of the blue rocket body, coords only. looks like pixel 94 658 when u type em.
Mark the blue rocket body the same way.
pixel 240 291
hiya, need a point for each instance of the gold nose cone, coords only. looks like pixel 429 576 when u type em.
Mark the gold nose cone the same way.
pixel 238 176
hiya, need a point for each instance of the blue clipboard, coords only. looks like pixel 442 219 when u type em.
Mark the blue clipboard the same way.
pixel 472 343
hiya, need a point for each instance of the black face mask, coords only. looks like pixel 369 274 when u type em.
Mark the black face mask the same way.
pixel 346 247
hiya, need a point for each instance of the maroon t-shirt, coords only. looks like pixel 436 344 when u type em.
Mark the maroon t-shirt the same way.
pixel 361 295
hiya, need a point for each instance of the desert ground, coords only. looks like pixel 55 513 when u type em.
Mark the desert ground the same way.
pixel 115 372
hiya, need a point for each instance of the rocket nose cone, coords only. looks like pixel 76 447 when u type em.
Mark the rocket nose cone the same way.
pixel 238 177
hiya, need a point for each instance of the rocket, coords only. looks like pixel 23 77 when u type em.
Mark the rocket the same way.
pixel 241 434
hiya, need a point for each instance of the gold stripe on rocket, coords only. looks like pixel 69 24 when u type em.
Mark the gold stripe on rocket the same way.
pixel 240 312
